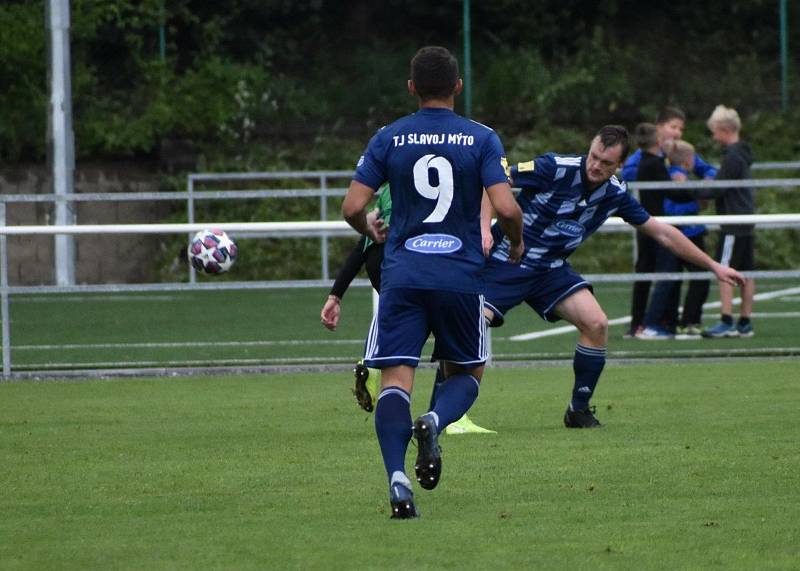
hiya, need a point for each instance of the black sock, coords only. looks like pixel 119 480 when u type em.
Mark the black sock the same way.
pixel 744 321
pixel 727 319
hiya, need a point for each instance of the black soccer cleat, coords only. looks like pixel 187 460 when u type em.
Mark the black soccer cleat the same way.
pixel 401 499
pixel 581 418
pixel 360 391
pixel 428 467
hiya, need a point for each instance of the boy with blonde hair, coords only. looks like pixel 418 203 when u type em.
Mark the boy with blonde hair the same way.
pixel 735 247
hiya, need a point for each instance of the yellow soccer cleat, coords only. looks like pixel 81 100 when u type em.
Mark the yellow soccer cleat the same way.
pixel 367 386
pixel 465 426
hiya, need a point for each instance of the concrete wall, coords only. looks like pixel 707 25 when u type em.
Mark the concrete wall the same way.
pixel 99 259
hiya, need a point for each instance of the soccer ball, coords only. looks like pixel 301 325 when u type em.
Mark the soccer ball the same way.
pixel 212 251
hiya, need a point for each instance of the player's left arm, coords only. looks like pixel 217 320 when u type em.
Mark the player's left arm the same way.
pixel 674 240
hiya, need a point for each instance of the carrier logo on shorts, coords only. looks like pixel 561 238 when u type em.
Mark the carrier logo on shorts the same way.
pixel 570 228
pixel 433 244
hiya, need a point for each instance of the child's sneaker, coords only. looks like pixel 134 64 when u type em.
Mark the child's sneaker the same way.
pixel 721 330
pixel 654 334
pixel 745 330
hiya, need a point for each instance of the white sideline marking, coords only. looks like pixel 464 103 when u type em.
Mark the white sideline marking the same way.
pixel 81 298
pixel 627 318
pixel 775 315
pixel 182 344
pixel 216 362
pixel 193 344
pixel 704 352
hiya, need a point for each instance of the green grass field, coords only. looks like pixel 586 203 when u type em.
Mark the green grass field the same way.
pixel 696 468
pixel 282 326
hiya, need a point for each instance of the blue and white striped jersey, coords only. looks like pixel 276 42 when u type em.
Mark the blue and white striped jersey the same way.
pixel 560 211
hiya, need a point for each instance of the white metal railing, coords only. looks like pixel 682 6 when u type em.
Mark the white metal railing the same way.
pixel 324 191
pixel 319 227
pixel 307 228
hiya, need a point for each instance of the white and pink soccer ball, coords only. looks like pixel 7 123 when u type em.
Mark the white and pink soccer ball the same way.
pixel 212 251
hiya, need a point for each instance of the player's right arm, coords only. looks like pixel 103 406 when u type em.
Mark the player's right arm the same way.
pixel 673 239
pixel 487 213
pixel 354 210
pixel 509 216
pixel 370 174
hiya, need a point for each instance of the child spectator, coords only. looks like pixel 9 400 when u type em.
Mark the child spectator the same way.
pixel 666 296
pixel 736 244
pixel 650 167
pixel 669 125
pixel 681 157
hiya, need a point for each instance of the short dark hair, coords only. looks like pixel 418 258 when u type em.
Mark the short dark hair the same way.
pixel 434 71
pixel 613 135
pixel 669 113
pixel 645 135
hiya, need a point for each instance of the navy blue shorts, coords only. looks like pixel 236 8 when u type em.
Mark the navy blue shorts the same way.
pixel 508 285
pixel 406 318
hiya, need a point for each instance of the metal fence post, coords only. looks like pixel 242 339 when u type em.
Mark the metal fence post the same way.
pixel 190 219
pixel 323 215
pixel 4 305
pixel 61 138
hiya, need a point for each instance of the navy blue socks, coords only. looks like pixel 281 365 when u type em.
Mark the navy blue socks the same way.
pixel 437 384
pixel 393 427
pixel 453 399
pixel 587 364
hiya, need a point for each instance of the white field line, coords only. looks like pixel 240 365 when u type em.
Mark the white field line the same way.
pixel 775 315
pixel 81 298
pixel 188 344
pixel 620 320
pixel 285 343
pixel 188 362
pixel 710 352
pixel 706 352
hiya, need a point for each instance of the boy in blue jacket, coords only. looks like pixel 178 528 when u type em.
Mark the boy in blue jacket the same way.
pixel 665 299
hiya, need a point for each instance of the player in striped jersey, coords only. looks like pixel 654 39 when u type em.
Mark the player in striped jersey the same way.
pixel 564 200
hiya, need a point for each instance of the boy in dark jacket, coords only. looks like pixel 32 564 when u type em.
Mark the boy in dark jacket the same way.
pixel 735 247
pixel 650 167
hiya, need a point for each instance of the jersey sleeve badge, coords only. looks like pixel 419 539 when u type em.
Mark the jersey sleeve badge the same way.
pixel 526 167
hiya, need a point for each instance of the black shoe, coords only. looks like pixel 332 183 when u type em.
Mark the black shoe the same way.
pixel 581 418
pixel 402 501
pixel 428 467
pixel 363 397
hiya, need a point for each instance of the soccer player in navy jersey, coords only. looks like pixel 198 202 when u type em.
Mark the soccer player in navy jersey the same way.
pixel 437 164
pixel 564 200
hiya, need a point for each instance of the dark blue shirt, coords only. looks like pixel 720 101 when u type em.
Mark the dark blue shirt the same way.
pixel 560 211
pixel 437 164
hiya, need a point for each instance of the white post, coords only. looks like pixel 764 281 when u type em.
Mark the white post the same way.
pixel 61 139
pixel 5 314
pixel 323 215
pixel 190 219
